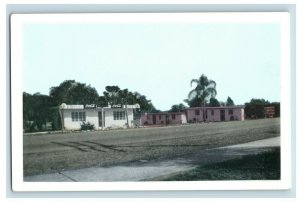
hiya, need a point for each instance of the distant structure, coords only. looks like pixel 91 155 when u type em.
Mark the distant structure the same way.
pixel 163 118
pixel 195 115
pixel 122 116
pixel 269 112
pixel 113 116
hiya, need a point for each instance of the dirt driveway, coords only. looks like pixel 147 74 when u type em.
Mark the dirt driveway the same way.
pixel 59 152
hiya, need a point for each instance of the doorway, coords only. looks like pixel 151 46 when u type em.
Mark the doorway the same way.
pixel 100 118
pixel 222 115
pixel 154 119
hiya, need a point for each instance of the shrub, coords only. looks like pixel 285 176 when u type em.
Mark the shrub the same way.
pixel 87 126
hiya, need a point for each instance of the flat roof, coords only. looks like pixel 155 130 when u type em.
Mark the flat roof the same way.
pixel 222 107
pixel 161 113
pixel 95 107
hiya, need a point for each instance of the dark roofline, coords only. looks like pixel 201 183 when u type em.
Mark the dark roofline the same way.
pixel 222 107
pixel 161 113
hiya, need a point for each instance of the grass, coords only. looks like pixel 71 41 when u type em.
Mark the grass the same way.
pixel 66 151
pixel 264 166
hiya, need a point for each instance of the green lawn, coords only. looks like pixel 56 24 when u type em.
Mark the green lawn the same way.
pixel 264 166
pixel 67 151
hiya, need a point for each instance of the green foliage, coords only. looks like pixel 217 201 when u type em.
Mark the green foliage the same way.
pixel 229 102
pixel 102 102
pixel 87 126
pixel 38 110
pixel 115 95
pixel 177 108
pixel 41 110
pixel 277 108
pixel 264 166
pixel 213 102
pixel 204 90
pixel 255 108
pixel 72 92
pixel 112 94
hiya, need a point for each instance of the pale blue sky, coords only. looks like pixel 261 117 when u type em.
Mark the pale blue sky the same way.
pixel 157 60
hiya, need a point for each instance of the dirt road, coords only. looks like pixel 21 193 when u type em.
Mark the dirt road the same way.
pixel 58 152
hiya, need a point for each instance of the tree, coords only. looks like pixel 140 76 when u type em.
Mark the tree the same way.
pixel 145 104
pixel 72 92
pixel 102 102
pixel 177 108
pixel 229 102
pixel 39 109
pixel 81 93
pixel 213 102
pixel 115 95
pixel 112 94
pixel 204 90
pixel 255 108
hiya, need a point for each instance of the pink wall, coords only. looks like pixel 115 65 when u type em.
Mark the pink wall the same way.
pixel 214 114
pixel 161 118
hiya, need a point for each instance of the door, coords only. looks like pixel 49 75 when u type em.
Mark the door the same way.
pixel 154 119
pixel 222 115
pixel 101 118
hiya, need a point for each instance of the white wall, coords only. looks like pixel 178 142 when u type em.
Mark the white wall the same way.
pixel 68 123
pixel 92 117
pixel 110 122
pixel 183 118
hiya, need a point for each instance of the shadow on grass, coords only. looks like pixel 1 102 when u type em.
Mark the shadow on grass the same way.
pixel 264 166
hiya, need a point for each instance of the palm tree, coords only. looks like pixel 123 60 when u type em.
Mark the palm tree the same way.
pixel 204 90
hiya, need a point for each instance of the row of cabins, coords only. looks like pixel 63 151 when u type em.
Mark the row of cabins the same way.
pixel 123 116
pixel 195 115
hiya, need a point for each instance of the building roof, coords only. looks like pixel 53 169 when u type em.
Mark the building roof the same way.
pixel 94 106
pixel 162 113
pixel 221 107
pixel 194 108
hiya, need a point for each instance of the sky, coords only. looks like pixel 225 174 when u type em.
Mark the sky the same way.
pixel 156 60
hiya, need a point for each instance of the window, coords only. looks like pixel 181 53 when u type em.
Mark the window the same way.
pixel 78 116
pixel 212 112
pixel 119 115
pixel 148 117
pixel 173 116
pixel 197 112
pixel 230 111
pixel 159 117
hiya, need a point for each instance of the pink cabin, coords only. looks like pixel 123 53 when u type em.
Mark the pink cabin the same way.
pixel 212 114
pixel 195 115
pixel 163 118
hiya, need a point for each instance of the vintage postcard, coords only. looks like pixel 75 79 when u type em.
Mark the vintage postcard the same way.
pixel 150 101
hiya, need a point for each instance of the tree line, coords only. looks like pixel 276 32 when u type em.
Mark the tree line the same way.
pixel 40 110
pixel 204 94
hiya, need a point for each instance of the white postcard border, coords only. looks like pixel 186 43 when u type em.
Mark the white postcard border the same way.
pixel 18 20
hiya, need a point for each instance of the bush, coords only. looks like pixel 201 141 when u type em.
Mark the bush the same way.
pixel 87 126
